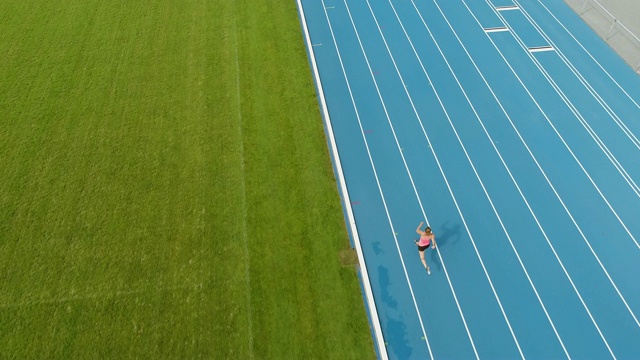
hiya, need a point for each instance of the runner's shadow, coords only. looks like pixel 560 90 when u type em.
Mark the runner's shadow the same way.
pixel 446 236
pixel 449 235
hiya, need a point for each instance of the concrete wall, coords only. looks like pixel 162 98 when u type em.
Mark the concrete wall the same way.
pixel 607 25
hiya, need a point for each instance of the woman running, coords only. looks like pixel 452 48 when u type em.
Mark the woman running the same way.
pixel 426 238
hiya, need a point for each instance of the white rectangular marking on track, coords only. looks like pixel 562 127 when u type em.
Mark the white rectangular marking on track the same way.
pixel 541 48
pixel 496 29
pixel 507 7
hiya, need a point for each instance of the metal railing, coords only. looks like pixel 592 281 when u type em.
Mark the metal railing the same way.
pixel 617 27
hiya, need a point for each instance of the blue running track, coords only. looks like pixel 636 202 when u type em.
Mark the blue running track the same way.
pixel 512 130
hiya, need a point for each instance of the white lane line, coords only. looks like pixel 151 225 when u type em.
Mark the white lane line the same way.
pixel 588 176
pixel 371 72
pixel 415 303
pixel 621 123
pixel 413 183
pixel 583 122
pixel 539 167
pixel 535 290
pixel 612 114
pixel 373 311
pixel 511 122
pixel 443 174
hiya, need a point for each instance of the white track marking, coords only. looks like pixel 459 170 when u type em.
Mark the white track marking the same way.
pixel 445 178
pixel 529 152
pixel 366 282
pixel 540 48
pixel 556 193
pixel 583 121
pixel 614 116
pixel 496 29
pixel 572 108
pixel 506 7
pixel 415 303
pixel 471 162
pixel 576 159
pixel 622 124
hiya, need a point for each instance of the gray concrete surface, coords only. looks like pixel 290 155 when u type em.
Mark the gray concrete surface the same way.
pixel 617 22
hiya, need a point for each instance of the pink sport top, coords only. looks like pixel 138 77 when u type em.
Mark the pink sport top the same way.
pixel 424 240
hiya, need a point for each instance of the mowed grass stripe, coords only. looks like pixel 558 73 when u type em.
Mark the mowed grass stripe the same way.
pixel 121 205
pixel 134 181
pixel 243 189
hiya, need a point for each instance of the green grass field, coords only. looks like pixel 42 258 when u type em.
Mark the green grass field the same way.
pixel 165 186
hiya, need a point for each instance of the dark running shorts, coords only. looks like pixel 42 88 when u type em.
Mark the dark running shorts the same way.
pixel 423 248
